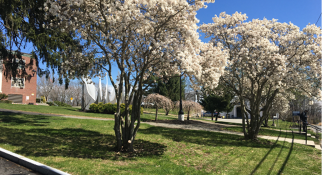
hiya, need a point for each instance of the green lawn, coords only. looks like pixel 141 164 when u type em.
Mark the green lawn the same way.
pixel 77 112
pixel 86 147
pixel 173 112
pixel 53 110
pixel 274 131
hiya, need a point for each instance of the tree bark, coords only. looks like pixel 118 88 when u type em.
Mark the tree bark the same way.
pixel 156 113
pixel 188 115
pixel 117 132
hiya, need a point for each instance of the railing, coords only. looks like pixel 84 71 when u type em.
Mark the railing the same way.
pixel 317 129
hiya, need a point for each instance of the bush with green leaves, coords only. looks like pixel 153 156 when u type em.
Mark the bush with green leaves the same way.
pixel 62 104
pixel 109 108
pixel 6 101
pixel 3 96
pixel 50 103
pixel 93 107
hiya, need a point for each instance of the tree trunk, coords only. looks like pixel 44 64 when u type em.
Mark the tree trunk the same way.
pixel 188 115
pixel 118 118
pixel 156 113
pixel 212 116
pixel 266 122
pixel 117 132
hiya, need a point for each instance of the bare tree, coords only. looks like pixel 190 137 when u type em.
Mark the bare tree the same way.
pixel 75 91
pixel 45 86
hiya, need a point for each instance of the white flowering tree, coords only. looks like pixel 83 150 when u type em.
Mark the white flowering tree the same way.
pixel 266 58
pixel 280 105
pixel 138 38
pixel 158 101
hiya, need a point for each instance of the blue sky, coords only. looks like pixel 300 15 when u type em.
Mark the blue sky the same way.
pixel 299 12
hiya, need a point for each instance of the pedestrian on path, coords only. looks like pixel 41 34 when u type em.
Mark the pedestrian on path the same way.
pixel 303 117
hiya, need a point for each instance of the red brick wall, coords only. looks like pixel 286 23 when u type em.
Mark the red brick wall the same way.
pixel 30 88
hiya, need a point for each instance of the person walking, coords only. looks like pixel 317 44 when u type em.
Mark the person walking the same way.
pixel 303 117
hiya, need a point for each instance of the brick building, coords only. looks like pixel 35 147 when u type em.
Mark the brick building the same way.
pixel 23 87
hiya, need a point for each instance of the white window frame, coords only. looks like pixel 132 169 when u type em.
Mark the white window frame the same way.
pixel 16 83
pixel 19 65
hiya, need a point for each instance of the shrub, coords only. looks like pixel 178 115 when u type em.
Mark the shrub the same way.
pixel 38 100
pixel 62 104
pixel 50 103
pixel 100 107
pixel 3 96
pixel 109 108
pixel 7 101
pixel 93 107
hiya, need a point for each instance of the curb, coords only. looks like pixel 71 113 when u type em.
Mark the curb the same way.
pixel 31 164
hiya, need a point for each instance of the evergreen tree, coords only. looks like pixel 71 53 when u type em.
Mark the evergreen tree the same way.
pixel 219 103
pixel 24 22
pixel 170 88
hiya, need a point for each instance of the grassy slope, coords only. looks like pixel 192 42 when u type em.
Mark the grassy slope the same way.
pixel 53 110
pixel 86 147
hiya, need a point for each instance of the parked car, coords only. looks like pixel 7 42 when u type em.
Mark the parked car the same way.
pixel 208 114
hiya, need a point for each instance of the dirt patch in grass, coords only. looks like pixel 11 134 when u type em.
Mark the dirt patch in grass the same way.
pixel 178 122
pixel 189 124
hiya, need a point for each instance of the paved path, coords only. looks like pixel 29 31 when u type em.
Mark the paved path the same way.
pixel 218 128
pixel 10 168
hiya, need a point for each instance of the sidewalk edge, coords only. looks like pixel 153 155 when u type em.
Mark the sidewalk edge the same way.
pixel 31 164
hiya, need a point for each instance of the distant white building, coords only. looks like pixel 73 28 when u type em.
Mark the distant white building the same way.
pixel 195 96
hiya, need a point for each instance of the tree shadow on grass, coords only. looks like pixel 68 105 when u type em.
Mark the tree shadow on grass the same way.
pixel 10 118
pixel 72 142
pixel 206 137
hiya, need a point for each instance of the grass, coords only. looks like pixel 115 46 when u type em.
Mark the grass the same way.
pixel 161 110
pixel 86 147
pixel 149 116
pixel 53 110
pixel 77 112
pixel 274 131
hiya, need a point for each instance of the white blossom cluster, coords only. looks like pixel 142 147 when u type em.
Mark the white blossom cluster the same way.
pixel 266 56
pixel 280 104
pixel 140 37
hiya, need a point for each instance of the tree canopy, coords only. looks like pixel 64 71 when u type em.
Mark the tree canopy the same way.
pixel 266 58
pixel 140 39
pixel 25 22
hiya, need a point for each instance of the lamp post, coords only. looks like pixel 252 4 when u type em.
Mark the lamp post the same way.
pixel 181 113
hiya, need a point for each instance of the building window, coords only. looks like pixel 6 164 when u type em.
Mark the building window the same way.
pixel 18 82
pixel 21 63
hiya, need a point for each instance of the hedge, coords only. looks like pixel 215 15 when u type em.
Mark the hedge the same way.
pixel 109 108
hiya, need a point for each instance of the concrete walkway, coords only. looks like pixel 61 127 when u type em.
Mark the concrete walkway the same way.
pixel 216 129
